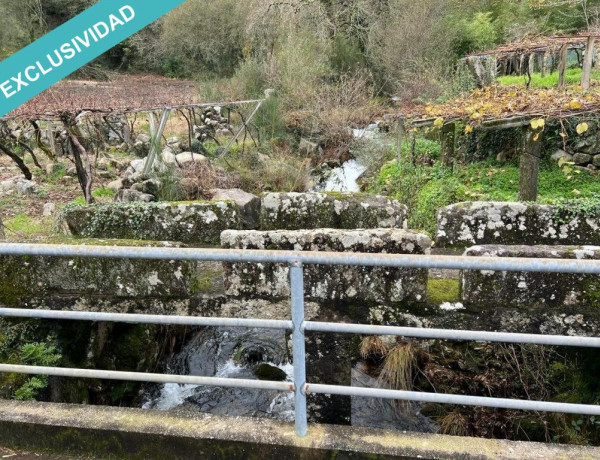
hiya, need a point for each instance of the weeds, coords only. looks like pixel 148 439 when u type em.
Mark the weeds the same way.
pixel 373 348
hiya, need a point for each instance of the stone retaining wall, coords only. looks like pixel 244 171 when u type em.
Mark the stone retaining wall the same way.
pixel 490 289
pixel 297 211
pixel 197 223
pixel 24 279
pixel 465 224
pixel 331 282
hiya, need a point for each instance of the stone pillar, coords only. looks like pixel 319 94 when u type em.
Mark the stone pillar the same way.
pixel 530 165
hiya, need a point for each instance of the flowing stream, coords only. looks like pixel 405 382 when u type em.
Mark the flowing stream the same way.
pixel 232 353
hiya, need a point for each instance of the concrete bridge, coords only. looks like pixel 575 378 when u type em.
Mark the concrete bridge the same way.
pixel 109 432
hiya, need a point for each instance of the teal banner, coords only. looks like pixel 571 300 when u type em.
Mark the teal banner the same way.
pixel 72 45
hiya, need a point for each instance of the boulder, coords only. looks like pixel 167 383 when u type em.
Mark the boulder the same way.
pixel 379 284
pixel 582 159
pixel 116 185
pixel 596 160
pixel 132 195
pixel 248 203
pixel 168 157
pixel 138 165
pixel 26 187
pixel 186 159
pixel 8 186
pixel 296 211
pixel 481 289
pixel 23 278
pixel 144 138
pixel 49 209
pixel 465 224
pixel 199 223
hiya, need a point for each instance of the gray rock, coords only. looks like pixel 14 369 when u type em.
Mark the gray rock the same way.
pixel 597 161
pixel 131 195
pixel 482 289
pixel 465 224
pixel 561 154
pixel 199 223
pixel 168 157
pixel 582 158
pixel 138 165
pixel 26 187
pixel 296 211
pixel 329 282
pixel 49 209
pixel 106 174
pixel 151 186
pixel 144 138
pixel 7 186
pixel 186 159
pixel 116 185
pixel 248 203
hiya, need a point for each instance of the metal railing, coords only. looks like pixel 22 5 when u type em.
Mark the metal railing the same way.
pixel 298 325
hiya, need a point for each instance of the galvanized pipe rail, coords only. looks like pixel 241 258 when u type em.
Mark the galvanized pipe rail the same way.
pixel 299 326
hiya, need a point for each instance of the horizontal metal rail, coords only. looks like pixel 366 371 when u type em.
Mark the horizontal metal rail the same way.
pixel 312 326
pixel 511 264
pixel 460 400
pixel 149 378
pixel 145 319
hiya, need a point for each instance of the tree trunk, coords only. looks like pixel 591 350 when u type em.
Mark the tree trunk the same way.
pixel 84 172
pixel 19 162
pixel 562 66
pixel 587 63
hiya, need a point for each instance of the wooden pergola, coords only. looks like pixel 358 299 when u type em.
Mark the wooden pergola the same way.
pixel 66 104
pixel 530 155
pixel 522 57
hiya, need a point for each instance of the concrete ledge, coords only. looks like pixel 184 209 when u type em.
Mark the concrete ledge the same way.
pixel 106 432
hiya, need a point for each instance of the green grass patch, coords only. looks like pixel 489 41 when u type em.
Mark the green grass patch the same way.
pixel 443 290
pixel 103 192
pixel 426 189
pixel 24 225
pixel 573 77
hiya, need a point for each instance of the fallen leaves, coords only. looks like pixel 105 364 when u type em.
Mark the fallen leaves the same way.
pixel 582 128
pixel 497 102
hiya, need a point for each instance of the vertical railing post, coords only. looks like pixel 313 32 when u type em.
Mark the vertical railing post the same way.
pixel 298 347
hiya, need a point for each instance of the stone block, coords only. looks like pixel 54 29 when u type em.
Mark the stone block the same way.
pixel 379 284
pixel 582 158
pixel 196 223
pixel 248 203
pixel 297 211
pixel 466 224
pixel 24 278
pixel 525 290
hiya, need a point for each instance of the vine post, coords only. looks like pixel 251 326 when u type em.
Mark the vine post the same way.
pixel 529 166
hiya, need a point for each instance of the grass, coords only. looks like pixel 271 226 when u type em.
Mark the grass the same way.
pixel 573 77
pixel 373 348
pixel 398 368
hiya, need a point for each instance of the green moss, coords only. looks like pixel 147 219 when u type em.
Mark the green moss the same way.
pixel 443 290
pixel 205 282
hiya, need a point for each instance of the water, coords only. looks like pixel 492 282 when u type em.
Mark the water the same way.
pixel 345 178
pixel 227 353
